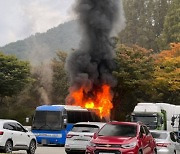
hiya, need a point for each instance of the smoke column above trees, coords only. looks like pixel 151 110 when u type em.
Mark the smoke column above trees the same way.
pixel 90 67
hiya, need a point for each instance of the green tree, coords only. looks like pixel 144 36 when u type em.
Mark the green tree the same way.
pixel 144 22
pixel 37 92
pixel 14 75
pixel 134 76
pixel 171 31
pixel 60 82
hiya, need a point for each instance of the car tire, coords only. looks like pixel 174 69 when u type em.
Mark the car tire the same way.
pixel 8 147
pixel 32 147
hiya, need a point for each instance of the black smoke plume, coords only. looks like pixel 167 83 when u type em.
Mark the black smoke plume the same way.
pixel 92 64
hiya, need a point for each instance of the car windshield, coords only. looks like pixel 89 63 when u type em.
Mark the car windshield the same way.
pixel 159 135
pixel 85 128
pixel 47 120
pixel 118 130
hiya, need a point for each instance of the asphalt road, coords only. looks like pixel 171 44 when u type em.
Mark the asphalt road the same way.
pixel 48 150
pixel 45 150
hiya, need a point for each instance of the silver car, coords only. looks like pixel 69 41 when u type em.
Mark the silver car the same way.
pixel 80 135
pixel 167 142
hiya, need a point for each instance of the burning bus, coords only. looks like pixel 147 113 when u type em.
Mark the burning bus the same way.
pixel 51 123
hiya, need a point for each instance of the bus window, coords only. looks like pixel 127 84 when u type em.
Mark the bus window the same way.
pixel 70 116
pixel 82 116
pixel 86 116
pixel 78 116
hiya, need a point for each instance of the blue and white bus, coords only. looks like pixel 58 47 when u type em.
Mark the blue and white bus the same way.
pixel 51 123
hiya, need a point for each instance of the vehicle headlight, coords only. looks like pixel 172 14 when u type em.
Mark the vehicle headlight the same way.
pixel 130 145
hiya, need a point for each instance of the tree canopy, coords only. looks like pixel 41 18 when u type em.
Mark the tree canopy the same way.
pixel 171 31
pixel 14 75
pixel 134 76
pixel 144 22
pixel 167 75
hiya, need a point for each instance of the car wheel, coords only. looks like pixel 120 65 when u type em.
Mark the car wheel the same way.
pixel 8 147
pixel 32 147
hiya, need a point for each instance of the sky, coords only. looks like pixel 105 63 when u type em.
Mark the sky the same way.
pixel 21 18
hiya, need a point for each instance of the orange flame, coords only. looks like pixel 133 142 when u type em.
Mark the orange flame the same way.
pixel 89 105
pixel 101 100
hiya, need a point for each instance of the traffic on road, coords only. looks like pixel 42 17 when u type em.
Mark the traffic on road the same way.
pixel 67 129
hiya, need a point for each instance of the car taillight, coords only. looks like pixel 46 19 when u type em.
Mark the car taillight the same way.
pixel 70 135
pixel 163 144
pixel 1 133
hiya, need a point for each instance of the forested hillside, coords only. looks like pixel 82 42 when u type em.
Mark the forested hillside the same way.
pixel 43 46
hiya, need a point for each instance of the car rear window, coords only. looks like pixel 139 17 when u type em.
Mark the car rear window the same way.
pixel 118 130
pixel 85 128
pixel 159 135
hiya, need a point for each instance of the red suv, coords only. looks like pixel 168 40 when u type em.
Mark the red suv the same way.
pixel 122 138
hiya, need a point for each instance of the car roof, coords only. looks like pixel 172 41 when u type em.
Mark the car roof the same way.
pixel 7 120
pixel 2 121
pixel 123 123
pixel 100 124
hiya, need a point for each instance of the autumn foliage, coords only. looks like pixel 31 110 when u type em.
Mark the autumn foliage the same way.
pixel 168 67
pixel 167 74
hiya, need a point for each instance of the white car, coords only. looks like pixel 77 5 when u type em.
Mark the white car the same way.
pixel 13 136
pixel 80 135
pixel 167 142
